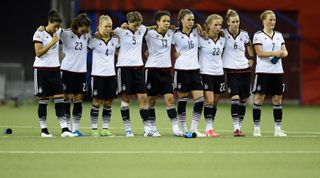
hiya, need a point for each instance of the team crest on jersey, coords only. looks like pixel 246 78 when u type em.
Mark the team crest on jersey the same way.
pixel 71 36
pixel 95 92
pixel 205 86
pixel 209 42
pixel 100 44
pixel 182 37
pixel 168 35
pixel 127 33
pixel 47 37
pixel 179 86
pixel 157 36
pixel 149 86
pixel 241 39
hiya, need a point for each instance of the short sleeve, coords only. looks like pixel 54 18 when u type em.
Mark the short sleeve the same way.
pixel 256 39
pixel 246 38
pixel 91 43
pixel 37 37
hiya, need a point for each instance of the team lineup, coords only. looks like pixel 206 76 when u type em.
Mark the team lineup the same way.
pixel 204 57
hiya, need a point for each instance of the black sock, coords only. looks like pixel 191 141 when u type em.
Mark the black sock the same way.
pixel 45 130
pixel 277 113
pixel 256 113
pixel 242 110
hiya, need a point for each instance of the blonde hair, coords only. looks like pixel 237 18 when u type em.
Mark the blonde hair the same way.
pixel 181 14
pixel 211 18
pixel 134 16
pixel 103 18
pixel 231 13
pixel 265 13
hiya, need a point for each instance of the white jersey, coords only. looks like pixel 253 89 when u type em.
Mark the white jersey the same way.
pixel 51 57
pixel 130 53
pixel 159 49
pixel 103 56
pixel 210 56
pixel 234 56
pixel 187 46
pixel 264 64
pixel 75 50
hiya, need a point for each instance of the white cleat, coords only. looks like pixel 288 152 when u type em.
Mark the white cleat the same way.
pixel 199 134
pixel 279 133
pixel 68 134
pixel 152 133
pixel 178 133
pixel 44 135
pixel 257 132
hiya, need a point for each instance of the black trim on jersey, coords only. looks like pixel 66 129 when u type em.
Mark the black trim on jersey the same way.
pixel 271 37
pixel 257 44
pixel 234 37
pixel 186 34
pixel 51 34
pixel 163 35
pixel 215 41
pixel 35 41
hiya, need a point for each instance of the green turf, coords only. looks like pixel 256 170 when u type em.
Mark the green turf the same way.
pixel 25 154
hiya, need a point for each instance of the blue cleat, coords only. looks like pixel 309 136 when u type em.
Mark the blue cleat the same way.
pixel 78 133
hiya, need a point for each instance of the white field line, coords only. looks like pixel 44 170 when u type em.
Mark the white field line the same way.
pixel 157 152
pixel 140 128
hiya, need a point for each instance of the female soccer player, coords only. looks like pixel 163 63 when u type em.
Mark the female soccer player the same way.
pixel 130 72
pixel 211 70
pixel 47 78
pixel 74 67
pixel 104 80
pixel 238 68
pixel 158 66
pixel 187 77
pixel 269 80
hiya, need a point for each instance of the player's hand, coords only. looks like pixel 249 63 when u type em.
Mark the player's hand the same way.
pixel 55 39
pixel 146 53
pixel 124 25
pixel 250 62
pixel 205 35
pixel 41 28
pixel 177 54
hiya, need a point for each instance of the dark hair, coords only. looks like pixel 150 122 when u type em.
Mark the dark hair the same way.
pixel 54 16
pixel 134 16
pixel 159 14
pixel 181 14
pixel 79 21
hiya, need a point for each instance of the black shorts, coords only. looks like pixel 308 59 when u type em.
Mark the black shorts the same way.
pixel 104 87
pixel 47 82
pixel 269 84
pixel 74 83
pixel 159 81
pixel 131 80
pixel 239 84
pixel 187 80
pixel 213 83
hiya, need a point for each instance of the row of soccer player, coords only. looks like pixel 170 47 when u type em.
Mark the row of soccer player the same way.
pixel 202 56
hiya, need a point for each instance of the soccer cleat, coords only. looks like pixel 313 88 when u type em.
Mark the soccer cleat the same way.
pixel 78 133
pixel 211 133
pixel 238 133
pixel 178 133
pixel 129 133
pixel 46 135
pixel 199 134
pixel 279 133
pixel 257 132
pixel 106 132
pixel 95 133
pixel 152 133
pixel 68 134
